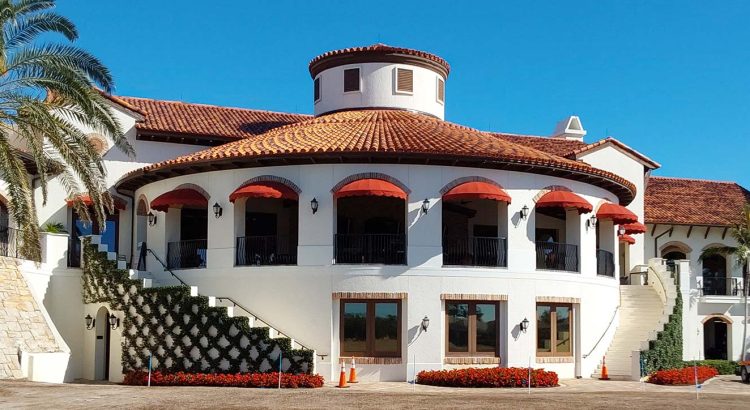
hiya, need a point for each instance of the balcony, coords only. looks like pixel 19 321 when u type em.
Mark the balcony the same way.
pixel 605 263
pixel 556 256
pixel 386 249
pixel 711 286
pixel 266 251
pixel 475 251
pixel 187 254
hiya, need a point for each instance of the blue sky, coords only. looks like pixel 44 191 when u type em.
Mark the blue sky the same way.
pixel 669 78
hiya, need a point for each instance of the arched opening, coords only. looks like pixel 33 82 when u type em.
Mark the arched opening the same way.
pixel 101 346
pixel 715 281
pixel 141 232
pixel 716 339
pixel 370 223
pixel 607 217
pixel 266 223
pixel 186 225
pixel 558 233
pixel 475 225
pixel 7 235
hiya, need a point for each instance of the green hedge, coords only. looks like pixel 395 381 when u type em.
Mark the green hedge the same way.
pixel 666 351
pixel 723 366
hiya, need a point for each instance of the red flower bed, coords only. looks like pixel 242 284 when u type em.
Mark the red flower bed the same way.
pixel 224 380
pixel 683 376
pixel 488 377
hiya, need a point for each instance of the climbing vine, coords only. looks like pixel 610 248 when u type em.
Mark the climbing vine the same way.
pixel 181 333
pixel 666 351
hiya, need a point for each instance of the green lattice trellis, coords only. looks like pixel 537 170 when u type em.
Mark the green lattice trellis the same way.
pixel 182 331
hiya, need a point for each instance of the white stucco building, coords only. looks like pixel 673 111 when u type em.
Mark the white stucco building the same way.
pixel 376 229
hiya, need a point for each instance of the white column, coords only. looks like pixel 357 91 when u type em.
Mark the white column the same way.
pixel 521 233
pixel 424 230
pixel 316 230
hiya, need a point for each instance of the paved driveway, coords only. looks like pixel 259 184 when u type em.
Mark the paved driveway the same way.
pixel 721 393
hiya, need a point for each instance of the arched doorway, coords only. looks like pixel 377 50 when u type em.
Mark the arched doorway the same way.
pixel 370 222
pixel 715 275
pixel 715 339
pixel 141 232
pixel 101 346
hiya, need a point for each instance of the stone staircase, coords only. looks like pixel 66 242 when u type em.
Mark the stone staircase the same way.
pixel 23 327
pixel 644 310
pixel 212 335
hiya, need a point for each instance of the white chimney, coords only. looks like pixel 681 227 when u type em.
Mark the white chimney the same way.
pixel 569 129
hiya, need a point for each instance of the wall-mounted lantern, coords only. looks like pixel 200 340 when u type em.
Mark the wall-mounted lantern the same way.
pixel 90 322
pixel 114 322
pixel 621 230
pixel 425 205
pixel 314 205
pixel 217 210
pixel 524 212
pixel 591 222
pixel 425 323
pixel 524 325
pixel 151 219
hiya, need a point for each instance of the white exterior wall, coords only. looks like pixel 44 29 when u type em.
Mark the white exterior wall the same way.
pixel 298 299
pixel 698 307
pixel 377 89
pixel 612 159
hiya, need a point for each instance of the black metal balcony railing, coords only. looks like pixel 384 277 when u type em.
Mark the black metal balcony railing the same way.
pixel 387 249
pixel 187 254
pixel 605 263
pixel 557 256
pixel 475 251
pixel 266 250
pixel 9 242
pixel 720 286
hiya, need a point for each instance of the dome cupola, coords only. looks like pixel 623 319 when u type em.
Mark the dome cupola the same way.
pixel 378 77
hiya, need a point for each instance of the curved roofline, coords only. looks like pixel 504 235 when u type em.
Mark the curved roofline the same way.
pixel 358 137
pixel 134 180
pixel 378 53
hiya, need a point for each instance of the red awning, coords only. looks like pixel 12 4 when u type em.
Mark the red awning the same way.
pixel 120 203
pixel 179 198
pixel 264 189
pixel 477 190
pixel 617 213
pixel 627 239
pixel 633 228
pixel 370 187
pixel 564 199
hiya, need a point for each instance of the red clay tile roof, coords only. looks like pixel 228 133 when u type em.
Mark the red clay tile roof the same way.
pixel 693 201
pixel 178 118
pixel 555 146
pixel 385 136
pixel 374 50
pixel 609 140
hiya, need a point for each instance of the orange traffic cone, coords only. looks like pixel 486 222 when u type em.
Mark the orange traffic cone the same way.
pixel 353 373
pixel 605 375
pixel 342 377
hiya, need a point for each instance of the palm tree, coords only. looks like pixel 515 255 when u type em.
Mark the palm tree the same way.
pixel 740 231
pixel 47 97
